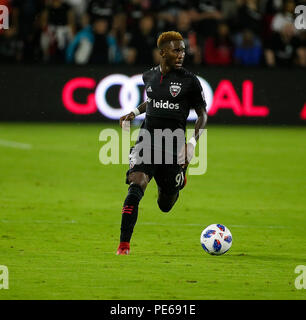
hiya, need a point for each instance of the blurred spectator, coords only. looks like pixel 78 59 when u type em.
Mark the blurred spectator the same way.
pixel 136 10
pixel 93 44
pixel 100 49
pixel 119 31
pixel 205 14
pixel 29 28
pixel 248 49
pixel 271 7
pixel 281 51
pixel 79 49
pixel 218 50
pixel 58 27
pixel 228 9
pixel 98 9
pixel 249 16
pixel 156 56
pixel 119 37
pixel 285 16
pixel 301 49
pixel 143 42
pixel 168 12
pixel 79 7
pixel 184 27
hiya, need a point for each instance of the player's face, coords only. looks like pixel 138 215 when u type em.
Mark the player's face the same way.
pixel 174 54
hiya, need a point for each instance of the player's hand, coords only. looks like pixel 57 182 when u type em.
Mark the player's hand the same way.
pixel 128 117
pixel 186 154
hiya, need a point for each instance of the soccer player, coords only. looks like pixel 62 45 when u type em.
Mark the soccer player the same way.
pixel 172 91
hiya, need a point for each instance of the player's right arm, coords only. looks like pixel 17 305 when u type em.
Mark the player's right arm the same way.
pixel 131 116
pixel 142 107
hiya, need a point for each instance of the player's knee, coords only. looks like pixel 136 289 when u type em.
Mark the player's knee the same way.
pixel 138 178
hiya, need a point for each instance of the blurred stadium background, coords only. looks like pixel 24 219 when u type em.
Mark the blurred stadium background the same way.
pixel 248 52
pixel 70 68
pixel 228 32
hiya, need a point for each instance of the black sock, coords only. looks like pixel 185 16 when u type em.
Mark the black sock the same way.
pixel 130 212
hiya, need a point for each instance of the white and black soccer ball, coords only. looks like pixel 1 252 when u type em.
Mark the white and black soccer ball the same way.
pixel 216 239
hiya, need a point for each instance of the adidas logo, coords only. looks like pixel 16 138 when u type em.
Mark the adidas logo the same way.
pixel 149 89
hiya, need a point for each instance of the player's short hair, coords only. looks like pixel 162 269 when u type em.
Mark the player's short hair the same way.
pixel 168 36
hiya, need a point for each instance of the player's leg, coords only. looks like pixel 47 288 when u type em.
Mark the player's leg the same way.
pixel 138 182
pixel 165 200
pixel 170 180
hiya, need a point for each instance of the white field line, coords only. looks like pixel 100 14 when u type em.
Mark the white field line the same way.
pixel 14 144
pixel 140 223
pixel 201 225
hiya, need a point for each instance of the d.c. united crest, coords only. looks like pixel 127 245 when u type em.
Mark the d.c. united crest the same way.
pixel 175 88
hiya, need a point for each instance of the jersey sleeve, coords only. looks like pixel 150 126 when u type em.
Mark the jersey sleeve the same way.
pixel 145 76
pixel 196 96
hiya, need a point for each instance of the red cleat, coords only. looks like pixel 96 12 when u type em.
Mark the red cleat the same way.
pixel 124 248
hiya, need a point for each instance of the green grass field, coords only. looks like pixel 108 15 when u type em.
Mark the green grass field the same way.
pixel 60 213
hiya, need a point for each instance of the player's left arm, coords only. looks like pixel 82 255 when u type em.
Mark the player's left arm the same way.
pixel 199 124
pixel 198 130
pixel 197 101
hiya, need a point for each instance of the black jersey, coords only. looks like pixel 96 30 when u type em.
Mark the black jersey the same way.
pixel 170 98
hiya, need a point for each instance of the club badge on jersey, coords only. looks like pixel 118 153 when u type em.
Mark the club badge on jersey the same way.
pixel 175 88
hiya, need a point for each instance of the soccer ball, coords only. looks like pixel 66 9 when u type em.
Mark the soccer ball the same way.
pixel 216 239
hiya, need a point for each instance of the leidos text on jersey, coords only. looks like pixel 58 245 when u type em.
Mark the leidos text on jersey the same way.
pixel 165 105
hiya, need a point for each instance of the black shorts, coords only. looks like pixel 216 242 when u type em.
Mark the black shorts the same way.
pixel 169 177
